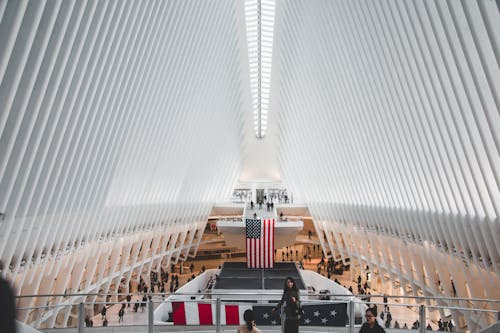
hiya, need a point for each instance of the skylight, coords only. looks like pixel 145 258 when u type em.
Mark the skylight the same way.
pixel 259 16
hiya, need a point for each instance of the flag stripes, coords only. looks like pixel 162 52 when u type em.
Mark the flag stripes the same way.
pixel 199 313
pixel 191 313
pixel 260 243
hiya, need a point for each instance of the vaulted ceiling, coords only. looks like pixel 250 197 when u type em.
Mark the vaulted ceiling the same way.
pixel 119 117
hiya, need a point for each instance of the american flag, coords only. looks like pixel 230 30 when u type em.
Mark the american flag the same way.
pixel 260 243
pixel 203 313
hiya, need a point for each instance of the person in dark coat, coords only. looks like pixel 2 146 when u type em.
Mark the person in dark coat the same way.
pixel 371 325
pixel 103 312
pixel 388 319
pixel 7 307
pixel 292 306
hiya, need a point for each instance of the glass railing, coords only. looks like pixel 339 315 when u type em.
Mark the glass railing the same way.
pixel 224 312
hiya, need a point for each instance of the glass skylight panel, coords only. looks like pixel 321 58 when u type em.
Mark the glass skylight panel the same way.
pixel 259 17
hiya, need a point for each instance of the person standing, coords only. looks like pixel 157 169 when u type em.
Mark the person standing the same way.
pixel 291 301
pixel 371 325
pixel 249 326
pixel 129 298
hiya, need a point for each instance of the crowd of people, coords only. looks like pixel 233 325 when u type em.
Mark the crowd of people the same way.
pixel 375 321
pixel 384 317
pixel 260 203
pixel 157 284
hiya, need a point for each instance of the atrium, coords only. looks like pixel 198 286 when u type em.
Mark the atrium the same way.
pixel 126 126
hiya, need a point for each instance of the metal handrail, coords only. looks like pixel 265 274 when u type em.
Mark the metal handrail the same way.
pixel 360 296
pixel 304 302
pixel 217 298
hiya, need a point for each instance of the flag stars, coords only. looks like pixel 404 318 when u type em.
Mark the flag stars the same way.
pixel 324 315
pixel 253 228
pixel 274 322
pixel 265 315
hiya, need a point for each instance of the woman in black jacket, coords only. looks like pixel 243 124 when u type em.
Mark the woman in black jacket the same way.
pixel 292 306
pixel 371 325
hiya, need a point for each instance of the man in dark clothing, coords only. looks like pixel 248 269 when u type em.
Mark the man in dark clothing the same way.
pixel 103 312
pixel 388 319
pixel 7 307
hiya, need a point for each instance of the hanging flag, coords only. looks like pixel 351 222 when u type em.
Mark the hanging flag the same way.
pixel 260 243
pixel 331 314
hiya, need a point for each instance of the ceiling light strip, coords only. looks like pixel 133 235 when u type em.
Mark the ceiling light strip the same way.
pixel 259 16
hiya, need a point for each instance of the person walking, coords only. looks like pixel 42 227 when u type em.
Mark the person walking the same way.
pixel 249 326
pixel 103 312
pixel 291 300
pixel 388 319
pixel 121 313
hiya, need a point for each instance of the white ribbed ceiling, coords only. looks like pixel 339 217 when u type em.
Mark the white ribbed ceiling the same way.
pixel 114 113
pixel 123 116
pixel 389 128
